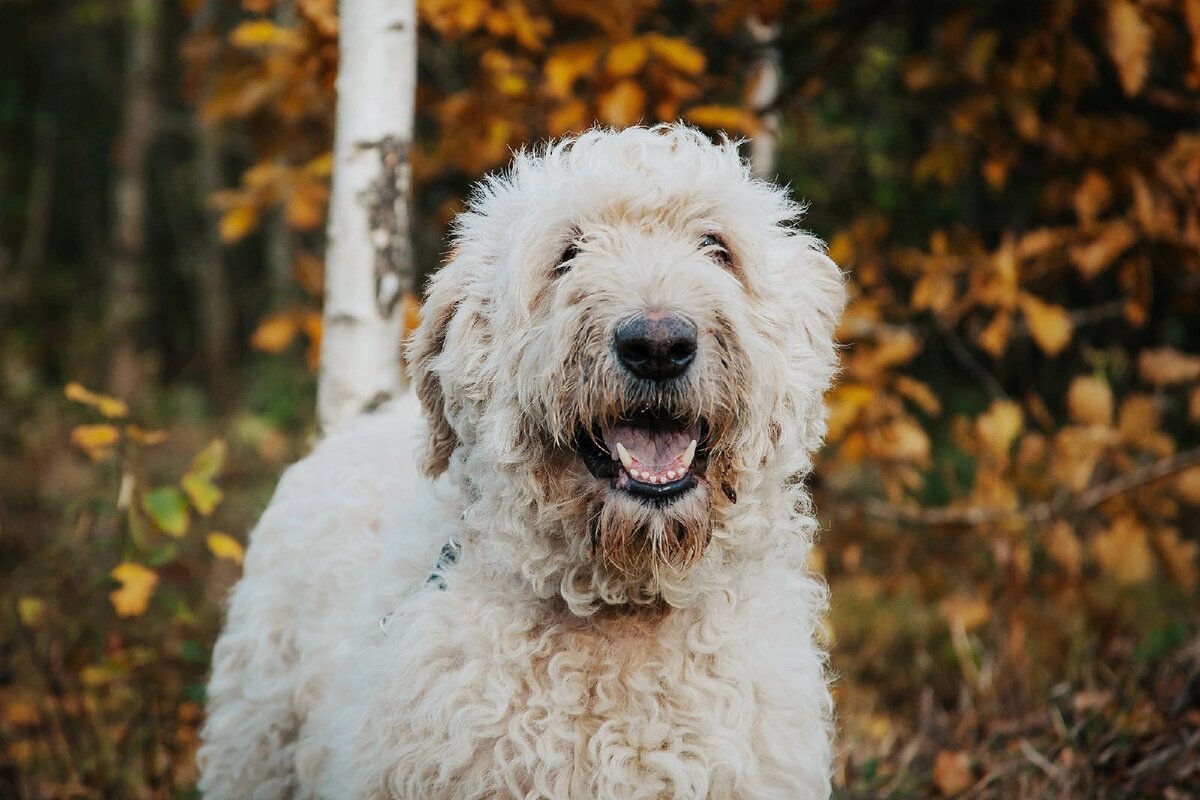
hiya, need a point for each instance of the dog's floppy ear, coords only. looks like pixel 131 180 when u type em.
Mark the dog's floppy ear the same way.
pixel 424 350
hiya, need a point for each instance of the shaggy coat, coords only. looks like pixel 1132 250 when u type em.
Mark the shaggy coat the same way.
pixel 589 641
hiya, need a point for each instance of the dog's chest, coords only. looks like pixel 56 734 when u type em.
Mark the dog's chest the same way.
pixel 604 707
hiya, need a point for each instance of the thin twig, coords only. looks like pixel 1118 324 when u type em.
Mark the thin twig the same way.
pixel 1037 512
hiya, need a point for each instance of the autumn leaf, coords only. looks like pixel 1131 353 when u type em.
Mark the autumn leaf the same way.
pixel 275 332
pixel 1178 557
pixel 263 33
pixel 197 481
pixel 724 118
pixel 1049 324
pixel 680 54
pixel 1063 547
pixel 1129 44
pixel 237 222
pixel 952 772
pixel 568 64
pixel 168 509
pixel 137 584
pixel 110 407
pixel 623 104
pixel 963 612
pixel 1100 252
pixel 1077 450
pixel 1167 366
pixel 30 610
pixel 95 440
pixel 1090 401
pixel 224 546
pixel 1123 551
pixel 998 428
pixel 625 58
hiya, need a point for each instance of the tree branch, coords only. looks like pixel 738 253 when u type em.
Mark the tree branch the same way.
pixel 1037 512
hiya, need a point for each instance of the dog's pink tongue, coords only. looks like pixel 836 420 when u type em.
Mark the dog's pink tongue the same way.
pixel 655 448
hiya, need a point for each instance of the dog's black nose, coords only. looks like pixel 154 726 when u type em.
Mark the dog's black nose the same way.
pixel 655 345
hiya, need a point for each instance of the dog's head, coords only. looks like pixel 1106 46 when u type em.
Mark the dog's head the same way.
pixel 628 347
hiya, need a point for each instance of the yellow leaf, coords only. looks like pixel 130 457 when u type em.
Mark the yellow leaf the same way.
pixel 1187 485
pixel 1138 423
pixel 30 610
pixel 275 332
pixel 1178 556
pixel 1090 401
pixel 1123 551
pixel 222 545
pixel 963 612
pixel 625 58
pixel 1094 257
pixel 262 33
pixel 845 402
pixel 902 440
pixel 934 292
pixel 1063 547
pixel 1077 449
pixel 952 772
pixel 237 222
pixel 571 116
pixel 994 337
pixel 919 393
pixel 998 427
pixel 95 440
pixel 1129 44
pixel 137 584
pixel 1049 324
pixel 623 104
pixel 110 407
pixel 676 52
pixel 144 437
pixel 568 64
pixel 1168 366
pixel 724 118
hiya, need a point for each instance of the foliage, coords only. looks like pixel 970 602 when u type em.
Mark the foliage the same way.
pixel 1012 482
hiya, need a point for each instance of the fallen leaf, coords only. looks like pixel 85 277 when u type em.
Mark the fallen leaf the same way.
pixel 110 407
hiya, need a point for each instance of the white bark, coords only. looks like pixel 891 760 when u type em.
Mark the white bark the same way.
pixel 368 263
pixel 765 81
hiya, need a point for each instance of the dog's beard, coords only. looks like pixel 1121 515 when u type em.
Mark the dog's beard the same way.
pixel 638 537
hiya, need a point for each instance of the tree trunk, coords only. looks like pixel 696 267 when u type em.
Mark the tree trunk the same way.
pixel 214 307
pixel 764 82
pixel 369 264
pixel 125 306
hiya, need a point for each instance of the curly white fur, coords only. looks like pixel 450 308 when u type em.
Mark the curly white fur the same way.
pixel 587 644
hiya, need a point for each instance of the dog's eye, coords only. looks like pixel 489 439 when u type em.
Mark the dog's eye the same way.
pixel 714 246
pixel 567 259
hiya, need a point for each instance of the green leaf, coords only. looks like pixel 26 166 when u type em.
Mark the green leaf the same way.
pixel 168 508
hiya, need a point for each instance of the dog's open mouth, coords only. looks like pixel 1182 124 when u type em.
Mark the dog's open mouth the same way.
pixel 650 454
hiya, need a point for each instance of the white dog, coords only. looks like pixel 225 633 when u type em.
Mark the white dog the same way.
pixel 600 591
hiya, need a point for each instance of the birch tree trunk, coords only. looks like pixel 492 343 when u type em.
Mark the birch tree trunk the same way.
pixel 125 307
pixel 764 80
pixel 369 263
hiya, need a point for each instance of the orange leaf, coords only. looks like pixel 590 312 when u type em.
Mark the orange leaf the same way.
pixel 952 772
pixel 1090 401
pixel 275 332
pixel 1123 551
pixel 1049 324
pixel 1178 556
pixel 569 117
pixel 676 52
pixel 1093 258
pixel 262 33
pixel 623 104
pixel 1063 547
pixel 237 222
pixel 567 64
pixel 724 118
pixel 1129 44
pixel 1167 366
pixel 625 58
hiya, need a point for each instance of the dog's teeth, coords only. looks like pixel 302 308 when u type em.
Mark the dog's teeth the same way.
pixel 671 474
pixel 688 455
pixel 626 459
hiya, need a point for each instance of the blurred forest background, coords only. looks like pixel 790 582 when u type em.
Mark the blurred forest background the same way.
pixel 1011 489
